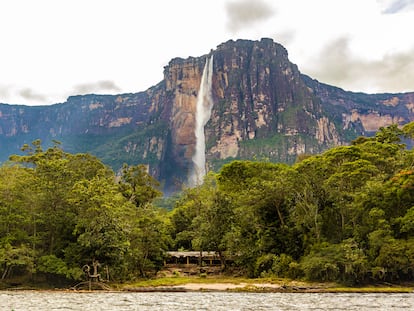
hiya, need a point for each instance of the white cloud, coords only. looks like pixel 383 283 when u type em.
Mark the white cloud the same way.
pixel 245 13
pixel 396 6
pixel 29 95
pixel 52 48
pixel 341 67
pixel 4 93
pixel 96 87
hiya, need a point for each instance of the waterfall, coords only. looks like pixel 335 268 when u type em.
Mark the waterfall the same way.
pixel 203 113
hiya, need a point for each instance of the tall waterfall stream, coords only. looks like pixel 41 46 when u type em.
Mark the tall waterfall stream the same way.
pixel 203 114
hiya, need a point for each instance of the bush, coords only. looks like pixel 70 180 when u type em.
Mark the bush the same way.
pixel 52 264
pixel 316 268
pixel 264 264
pixel 281 265
pixel 277 265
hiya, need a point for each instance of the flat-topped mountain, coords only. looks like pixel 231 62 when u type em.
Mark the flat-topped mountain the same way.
pixel 262 108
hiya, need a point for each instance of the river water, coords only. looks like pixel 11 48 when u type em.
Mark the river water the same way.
pixel 114 301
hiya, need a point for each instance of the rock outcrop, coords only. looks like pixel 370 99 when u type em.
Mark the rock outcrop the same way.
pixel 264 108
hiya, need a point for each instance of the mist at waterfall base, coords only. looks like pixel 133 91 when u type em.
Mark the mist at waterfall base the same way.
pixel 203 114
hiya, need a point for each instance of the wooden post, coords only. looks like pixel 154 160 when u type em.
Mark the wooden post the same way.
pixel 107 272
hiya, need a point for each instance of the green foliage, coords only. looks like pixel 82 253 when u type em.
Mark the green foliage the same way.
pixel 52 264
pixel 15 257
pixel 337 216
pixel 407 223
pixel 345 262
pixel 138 186
pixel 261 194
pixel 148 238
pixel 321 264
pixel 202 218
pixel 99 226
pixel 110 148
pixel 395 259
pixel 282 265
pixel 346 215
pixel 390 135
pixel 60 211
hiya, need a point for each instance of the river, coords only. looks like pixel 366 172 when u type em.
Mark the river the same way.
pixel 114 301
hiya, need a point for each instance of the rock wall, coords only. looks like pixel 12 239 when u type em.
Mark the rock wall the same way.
pixel 264 108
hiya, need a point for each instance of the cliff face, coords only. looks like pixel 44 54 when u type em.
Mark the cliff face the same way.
pixel 264 108
pixel 367 112
pixel 182 79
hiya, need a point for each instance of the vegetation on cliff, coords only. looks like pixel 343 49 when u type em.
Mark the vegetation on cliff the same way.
pixel 345 215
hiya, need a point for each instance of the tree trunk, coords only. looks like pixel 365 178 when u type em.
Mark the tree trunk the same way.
pixel 222 260
pixel 6 270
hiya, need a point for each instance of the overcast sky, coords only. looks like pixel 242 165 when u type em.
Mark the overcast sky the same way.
pixel 53 49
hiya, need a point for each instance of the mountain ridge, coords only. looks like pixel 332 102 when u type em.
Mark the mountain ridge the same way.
pixel 264 108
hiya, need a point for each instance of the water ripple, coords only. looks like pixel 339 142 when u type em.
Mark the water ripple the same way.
pixel 117 301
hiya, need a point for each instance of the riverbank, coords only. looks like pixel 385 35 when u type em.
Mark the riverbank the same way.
pixel 257 285
pixel 219 284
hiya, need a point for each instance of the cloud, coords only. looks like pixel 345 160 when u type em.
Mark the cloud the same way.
pixel 4 93
pixel 285 37
pixel 332 64
pixel 395 6
pixel 30 95
pixel 18 93
pixel 244 13
pixel 96 87
pixel 396 71
pixel 338 66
